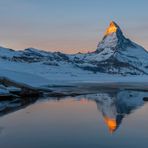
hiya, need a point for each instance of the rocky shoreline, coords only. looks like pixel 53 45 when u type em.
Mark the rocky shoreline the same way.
pixel 10 89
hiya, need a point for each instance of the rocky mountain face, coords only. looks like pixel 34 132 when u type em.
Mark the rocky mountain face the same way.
pixel 115 54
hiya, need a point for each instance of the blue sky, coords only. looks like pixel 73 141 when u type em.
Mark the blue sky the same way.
pixel 69 25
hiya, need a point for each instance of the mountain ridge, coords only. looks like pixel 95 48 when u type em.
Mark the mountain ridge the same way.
pixel 115 54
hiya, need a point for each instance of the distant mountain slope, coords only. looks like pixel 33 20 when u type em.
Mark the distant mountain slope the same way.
pixel 115 54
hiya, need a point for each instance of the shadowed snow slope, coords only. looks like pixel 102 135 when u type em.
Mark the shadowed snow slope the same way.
pixel 115 55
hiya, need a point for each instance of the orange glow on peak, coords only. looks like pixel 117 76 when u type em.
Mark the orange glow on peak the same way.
pixel 111 29
pixel 111 123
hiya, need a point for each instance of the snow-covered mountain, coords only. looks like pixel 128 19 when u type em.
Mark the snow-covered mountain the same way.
pixel 115 54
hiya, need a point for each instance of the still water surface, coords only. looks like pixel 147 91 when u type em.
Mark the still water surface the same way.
pixel 106 120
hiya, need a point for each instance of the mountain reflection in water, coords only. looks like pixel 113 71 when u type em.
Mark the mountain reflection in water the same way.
pixel 113 105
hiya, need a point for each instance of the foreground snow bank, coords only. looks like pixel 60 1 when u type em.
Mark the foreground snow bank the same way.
pixel 37 74
pixel 22 77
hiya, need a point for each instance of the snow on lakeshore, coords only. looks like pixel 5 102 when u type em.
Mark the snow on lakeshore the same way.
pixel 25 78
pixel 37 74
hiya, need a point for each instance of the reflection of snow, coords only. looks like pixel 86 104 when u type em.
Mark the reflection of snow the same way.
pixel 114 106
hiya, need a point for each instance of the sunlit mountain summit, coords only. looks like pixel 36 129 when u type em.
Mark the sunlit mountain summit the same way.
pixel 114 38
pixel 113 27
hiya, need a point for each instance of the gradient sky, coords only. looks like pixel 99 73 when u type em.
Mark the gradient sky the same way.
pixel 69 25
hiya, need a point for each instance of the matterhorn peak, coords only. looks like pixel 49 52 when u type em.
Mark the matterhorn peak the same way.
pixel 113 28
pixel 113 38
